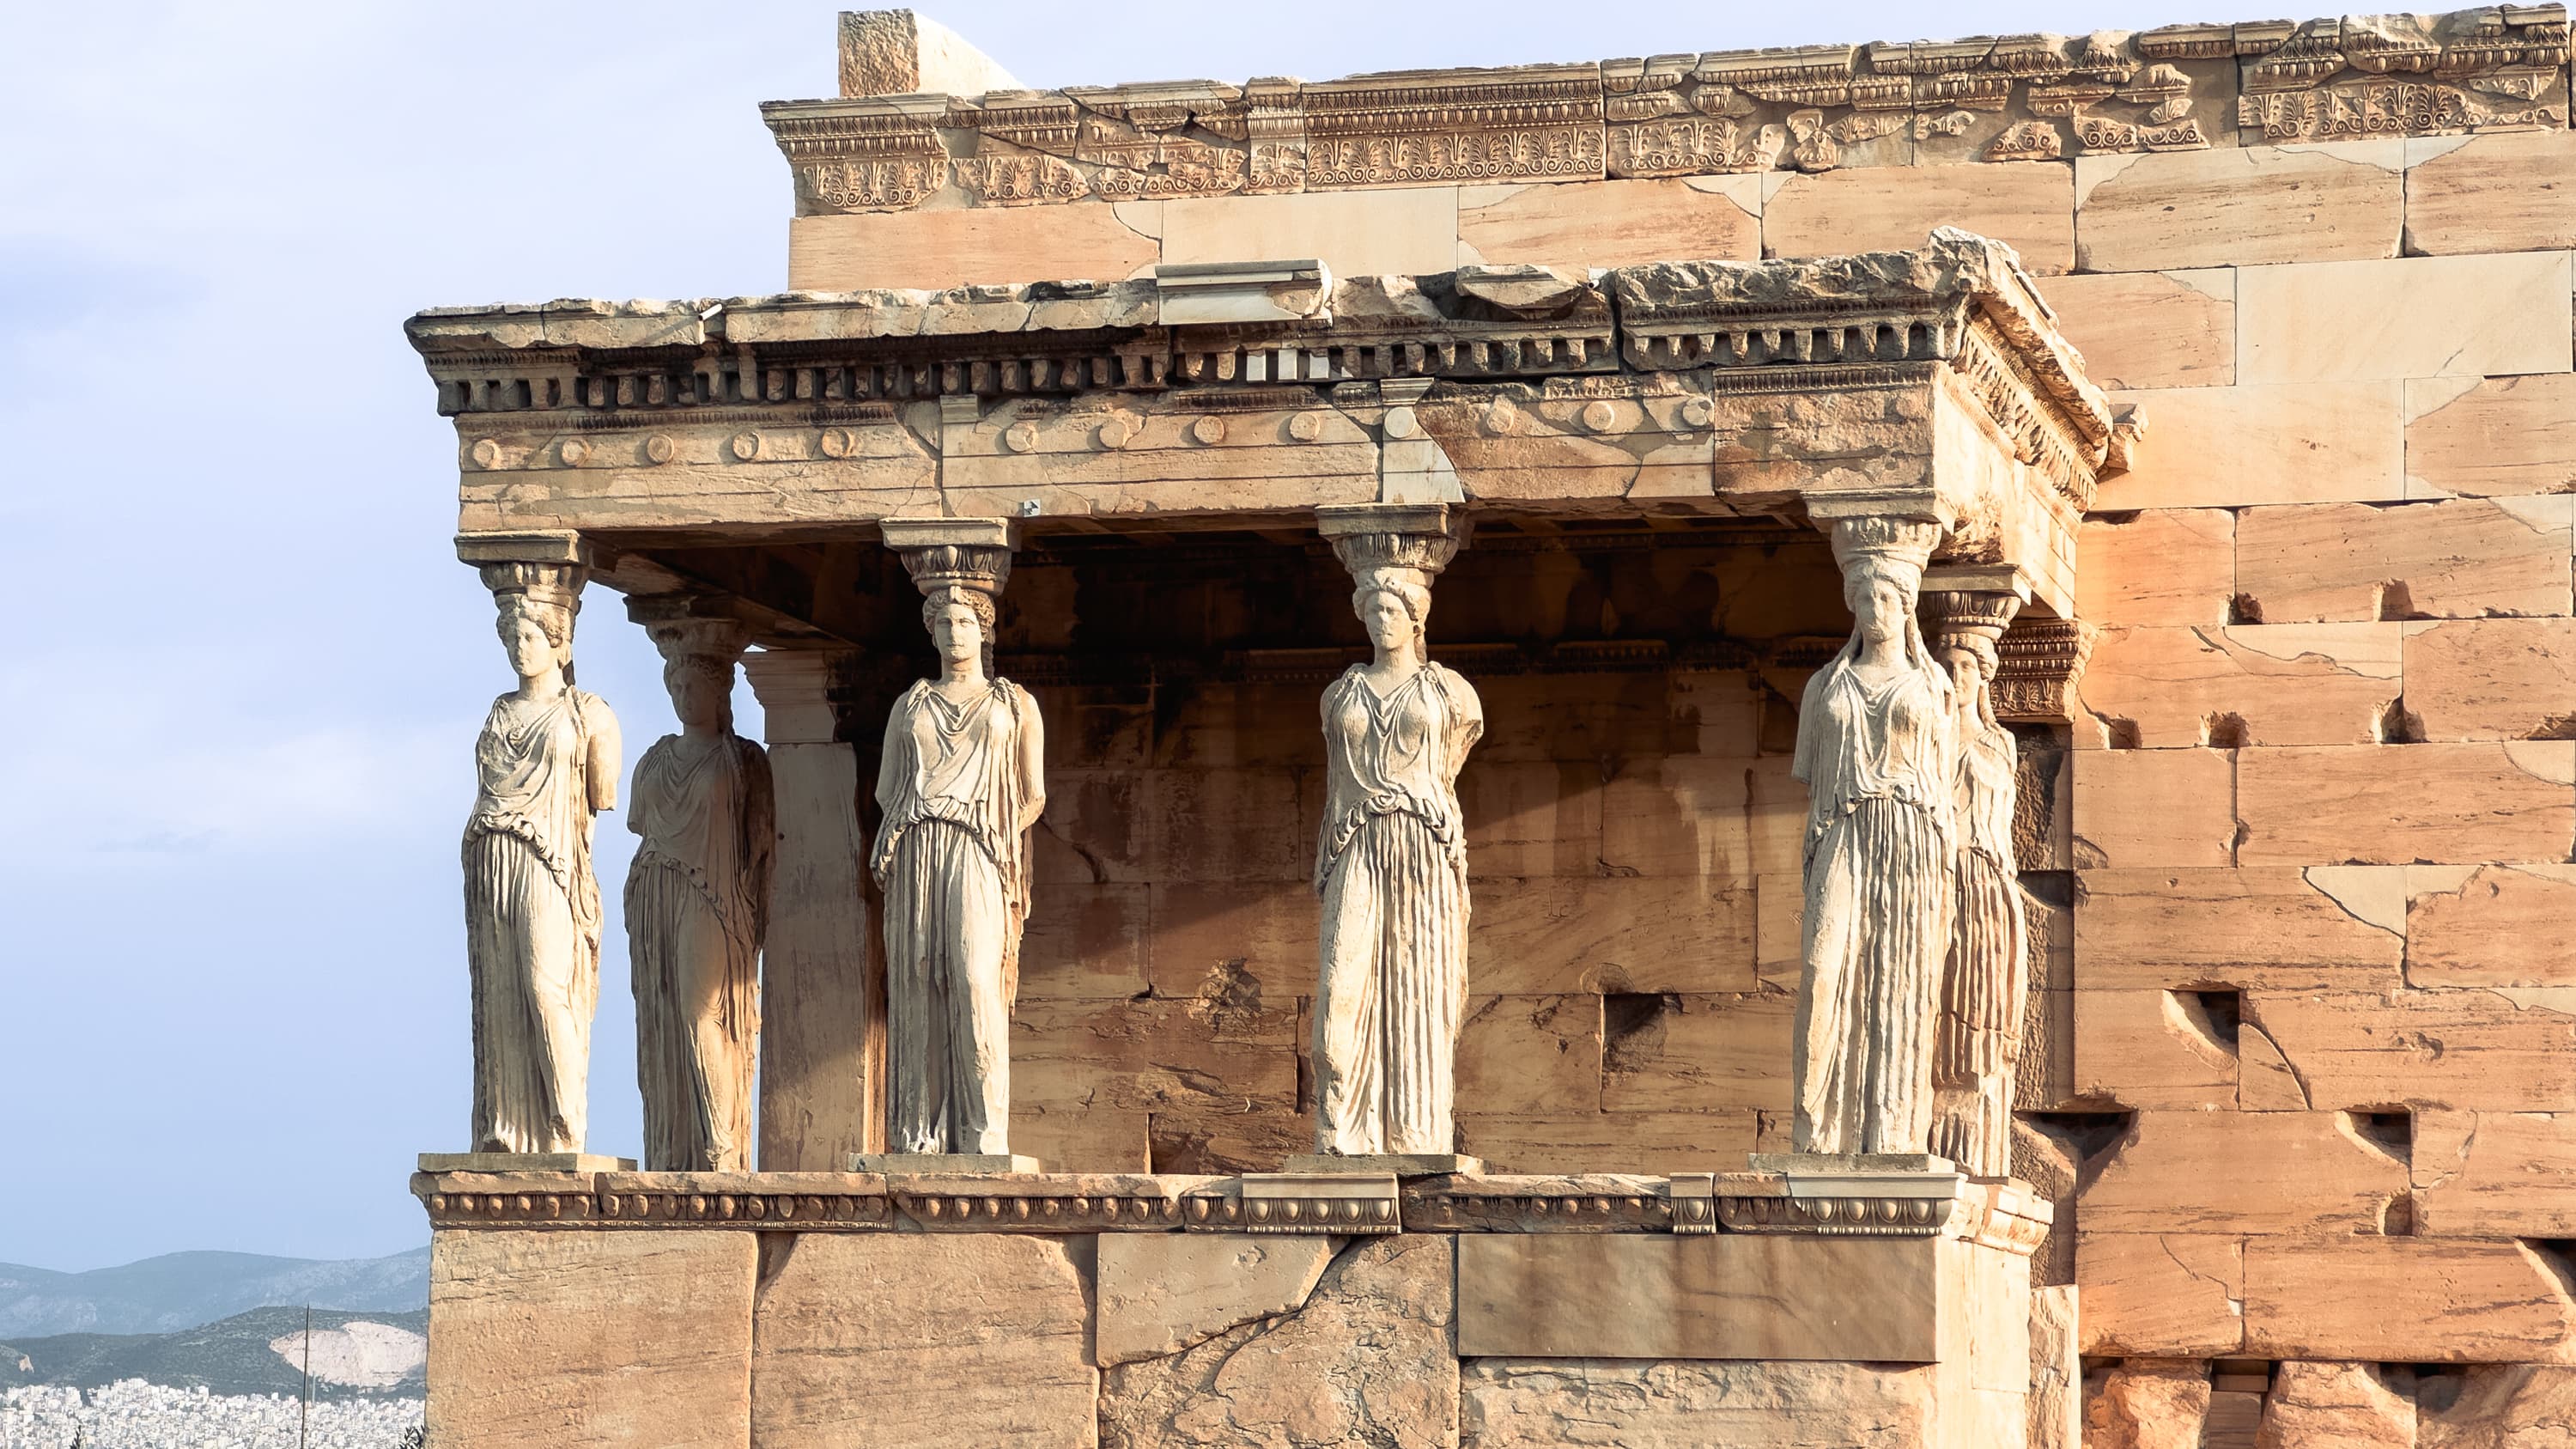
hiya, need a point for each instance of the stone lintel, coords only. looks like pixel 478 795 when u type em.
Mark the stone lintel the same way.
pixel 912 533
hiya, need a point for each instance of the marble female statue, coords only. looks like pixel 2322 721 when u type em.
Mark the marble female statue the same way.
pixel 1874 748
pixel 1978 1041
pixel 960 785
pixel 546 762
pixel 697 908
pixel 1391 865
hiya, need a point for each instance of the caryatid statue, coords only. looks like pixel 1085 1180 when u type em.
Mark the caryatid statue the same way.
pixel 961 783
pixel 1391 858
pixel 1875 749
pixel 1977 1042
pixel 547 760
pixel 697 905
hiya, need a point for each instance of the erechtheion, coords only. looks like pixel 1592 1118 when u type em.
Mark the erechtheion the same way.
pixel 1867 745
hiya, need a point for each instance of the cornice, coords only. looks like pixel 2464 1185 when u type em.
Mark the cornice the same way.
pixel 1812 108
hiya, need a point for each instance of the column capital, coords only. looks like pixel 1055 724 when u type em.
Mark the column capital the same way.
pixel 969 553
pixel 687 624
pixel 1373 538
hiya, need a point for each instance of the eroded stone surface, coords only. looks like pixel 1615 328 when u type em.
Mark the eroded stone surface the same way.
pixel 1160 1293
pixel 2149 1404
pixel 880 1337
pixel 2348 1405
pixel 1366 1361
pixel 1507 1403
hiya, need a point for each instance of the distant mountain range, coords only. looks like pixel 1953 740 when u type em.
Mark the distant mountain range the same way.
pixel 180 1291
pixel 354 1355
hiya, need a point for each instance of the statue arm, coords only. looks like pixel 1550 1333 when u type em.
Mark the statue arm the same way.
pixel 1468 724
pixel 889 766
pixel 607 753
pixel 1032 761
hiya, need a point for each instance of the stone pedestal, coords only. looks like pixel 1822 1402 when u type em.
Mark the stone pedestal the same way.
pixel 1096 1310
pixel 1402 1164
pixel 506 1162
pixel 979 1163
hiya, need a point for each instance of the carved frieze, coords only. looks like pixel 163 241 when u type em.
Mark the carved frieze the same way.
pixel 2039 664
pixel 1814 108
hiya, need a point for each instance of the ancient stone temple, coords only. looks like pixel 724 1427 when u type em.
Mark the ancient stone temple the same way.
pixel 1870 745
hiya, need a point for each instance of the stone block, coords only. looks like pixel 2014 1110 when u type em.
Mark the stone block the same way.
pixel 2171 807
pixel 2056 1409
pixel 2160 1293
pixel 1512 1403
pixel 1229 1138
pixel 1085 942
pixel 576 1337
pixel 2158 566
pixel 1719 1295
pixel 1612 223
pixel 1069 1137
pixel 1777 816
pixel 2458 1048
pixel 2494 1174
pixel 2491 679
pixel 1159 1293
pixel 1612 934
pixel 2401 804
pixel 2507 191
pixel 2150 1049
pixel 2430 1300
pixel 859 1337
pixel 1574 1142
pixel 1538 1054
pixel 2242 684
pixel 1154 1055
pixel 2491 925
pixel 2150 329
pixel 2027 205
pixel 2273 927
pixel 2227 447
pixel 1224 825
pixel 2235 206
pixel 1367 1360
pixel 2462 317
pixel 1399 231
pixel 2242 1172
pixel 1532 817
pixel 2464 558
pixel 2497 436
pixel 1244 942
pixel 2149 1403
pixel 936 249
pixel 1696 1053
pixel 1676 815
pixel 2496 1406
pixel 2349 1405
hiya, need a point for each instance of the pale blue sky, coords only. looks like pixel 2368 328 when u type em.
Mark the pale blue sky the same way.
pixel 248 668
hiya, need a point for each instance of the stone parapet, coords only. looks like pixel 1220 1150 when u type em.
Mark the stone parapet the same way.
pixel 1807 109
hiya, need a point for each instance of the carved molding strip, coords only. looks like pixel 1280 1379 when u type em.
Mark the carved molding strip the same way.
pixel 1816 108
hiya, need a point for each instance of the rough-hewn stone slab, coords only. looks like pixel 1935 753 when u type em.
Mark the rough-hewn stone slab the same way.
pixel 2500 1406
pixel 2161 1293
pixel 2494 1174
pixel 2506 192
pixel 1612 934
pixel 2028 206
pixel 2242 684
pixel 2496 436
pixel 2239 207
pixel 2492 679
pixel 1367 1360
pixel 1153 1055
pixel 2145 1049
pixel 2151 329
pixel 1612 223
pixel 2298 443
pixel 2428 1300
pixel 2349 1405
pixel 576 1337
pixel 2468 558
pixel 2158 566
pixel 1526 1403
pixel 1696 1053
pixel 923 1339
pixel 2395 804
pixel 2457 1048
pixel 964 248
pixel 2491 925
pixel 1160 1293
pixel 1661 1142
pixel 2242 1172
pixel 2167 807
pixel 2150 1403
pixel 1724 1295
pixel 2275 927
pixel 2462 317
pixel 2056 1418
pixel 1530 1053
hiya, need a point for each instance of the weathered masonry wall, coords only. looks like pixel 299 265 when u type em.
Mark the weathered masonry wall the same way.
pixel 2323 803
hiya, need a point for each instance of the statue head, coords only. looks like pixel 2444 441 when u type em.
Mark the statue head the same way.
pixel 1882 559
pixel 1393 604
pixel 537 635
pixel 701 688
pixel 960 621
